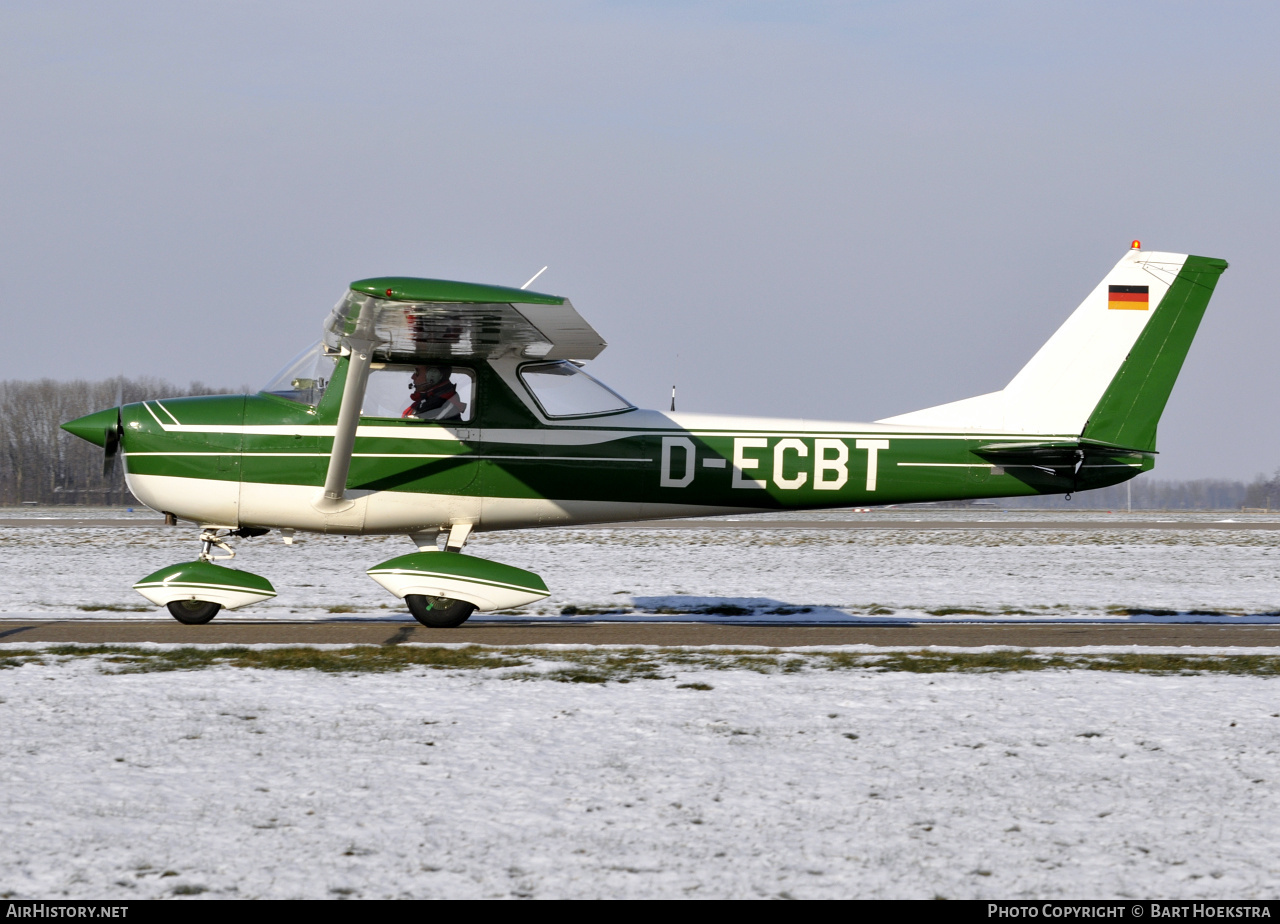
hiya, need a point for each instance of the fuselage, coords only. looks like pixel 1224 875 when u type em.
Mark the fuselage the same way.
pixel 260 460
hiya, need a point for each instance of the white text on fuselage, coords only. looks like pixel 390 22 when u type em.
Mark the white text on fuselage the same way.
pixel 758 461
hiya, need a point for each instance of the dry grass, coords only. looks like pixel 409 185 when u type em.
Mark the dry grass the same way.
pixel 625 665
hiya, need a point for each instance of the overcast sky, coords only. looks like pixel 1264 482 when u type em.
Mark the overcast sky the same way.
pixel 837 210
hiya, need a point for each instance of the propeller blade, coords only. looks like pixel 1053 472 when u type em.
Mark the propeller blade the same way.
pixel 112 445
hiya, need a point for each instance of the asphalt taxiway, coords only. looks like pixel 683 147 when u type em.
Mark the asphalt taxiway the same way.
pixel 385 632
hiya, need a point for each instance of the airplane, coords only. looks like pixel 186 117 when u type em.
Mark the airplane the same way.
pixel 436 409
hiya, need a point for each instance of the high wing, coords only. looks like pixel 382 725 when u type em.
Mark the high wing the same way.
pixel 425 320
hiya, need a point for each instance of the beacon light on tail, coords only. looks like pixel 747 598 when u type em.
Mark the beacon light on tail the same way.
pixel 435 408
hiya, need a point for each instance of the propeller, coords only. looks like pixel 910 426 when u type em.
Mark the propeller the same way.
pixel 113 433
pixel 112 445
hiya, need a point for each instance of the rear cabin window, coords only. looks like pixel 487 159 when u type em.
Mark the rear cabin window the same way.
pixel 563 390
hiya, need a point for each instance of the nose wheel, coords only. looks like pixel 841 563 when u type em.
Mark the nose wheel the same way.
pixel 196 591
pixel 193 612
pixel 438 612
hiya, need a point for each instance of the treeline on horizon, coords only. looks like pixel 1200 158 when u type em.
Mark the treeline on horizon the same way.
pixel 1149 493
pixel 43 464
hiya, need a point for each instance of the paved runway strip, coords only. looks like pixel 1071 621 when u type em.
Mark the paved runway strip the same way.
pixel 614 633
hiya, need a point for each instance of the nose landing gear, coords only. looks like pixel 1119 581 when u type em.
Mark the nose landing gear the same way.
pixel 211 538
pixel 439 612
pixel 196 591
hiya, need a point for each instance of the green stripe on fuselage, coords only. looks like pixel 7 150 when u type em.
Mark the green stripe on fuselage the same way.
pixel 633 467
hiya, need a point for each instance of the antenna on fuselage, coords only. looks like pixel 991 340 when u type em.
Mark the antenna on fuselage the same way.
pixel 673 397
pixel 535 276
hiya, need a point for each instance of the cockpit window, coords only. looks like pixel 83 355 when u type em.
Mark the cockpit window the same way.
pixel 305 378
pixel 563 390
pixel 424 392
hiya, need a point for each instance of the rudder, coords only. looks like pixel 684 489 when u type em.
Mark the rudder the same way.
pixel 1130 408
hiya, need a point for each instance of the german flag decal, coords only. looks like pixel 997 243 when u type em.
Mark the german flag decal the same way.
pixel 1133 298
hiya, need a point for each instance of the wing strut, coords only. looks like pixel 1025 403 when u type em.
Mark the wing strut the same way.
pixel 360 342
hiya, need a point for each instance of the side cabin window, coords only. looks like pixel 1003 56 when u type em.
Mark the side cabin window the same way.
pixel 431 392
pixel 563 390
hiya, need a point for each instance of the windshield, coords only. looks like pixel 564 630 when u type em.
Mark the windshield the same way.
pixel 305 377
pixel 564 390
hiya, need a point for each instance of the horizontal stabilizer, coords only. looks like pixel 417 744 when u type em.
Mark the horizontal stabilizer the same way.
pixel 1059 454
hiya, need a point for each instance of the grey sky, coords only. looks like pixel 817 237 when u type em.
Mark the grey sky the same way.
pixel 843 210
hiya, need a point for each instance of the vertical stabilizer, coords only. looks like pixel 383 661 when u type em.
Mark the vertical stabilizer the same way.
pixel 1130 408
pixel 1111 365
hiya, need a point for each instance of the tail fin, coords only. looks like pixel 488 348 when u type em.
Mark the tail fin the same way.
pixel 1108 371
pixel 1131 406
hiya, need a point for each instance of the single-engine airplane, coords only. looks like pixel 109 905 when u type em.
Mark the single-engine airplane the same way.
pixel 436 409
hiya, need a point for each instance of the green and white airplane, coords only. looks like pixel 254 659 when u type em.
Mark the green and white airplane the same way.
pixel 435 409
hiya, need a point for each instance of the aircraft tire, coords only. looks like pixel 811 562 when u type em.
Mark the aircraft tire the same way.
pixel 193 612
pixel 439 612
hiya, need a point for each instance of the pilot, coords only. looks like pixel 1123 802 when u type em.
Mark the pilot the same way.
pixel 434 395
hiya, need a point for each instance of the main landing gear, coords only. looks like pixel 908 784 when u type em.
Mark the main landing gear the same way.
pixel 443 589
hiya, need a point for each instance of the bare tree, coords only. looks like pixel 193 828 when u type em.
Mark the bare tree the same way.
pixel 41 463
pixel 1264 493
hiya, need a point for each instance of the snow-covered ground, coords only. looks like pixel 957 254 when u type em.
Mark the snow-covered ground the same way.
pixel 819 575
pixel 233 782
pixel 243 782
